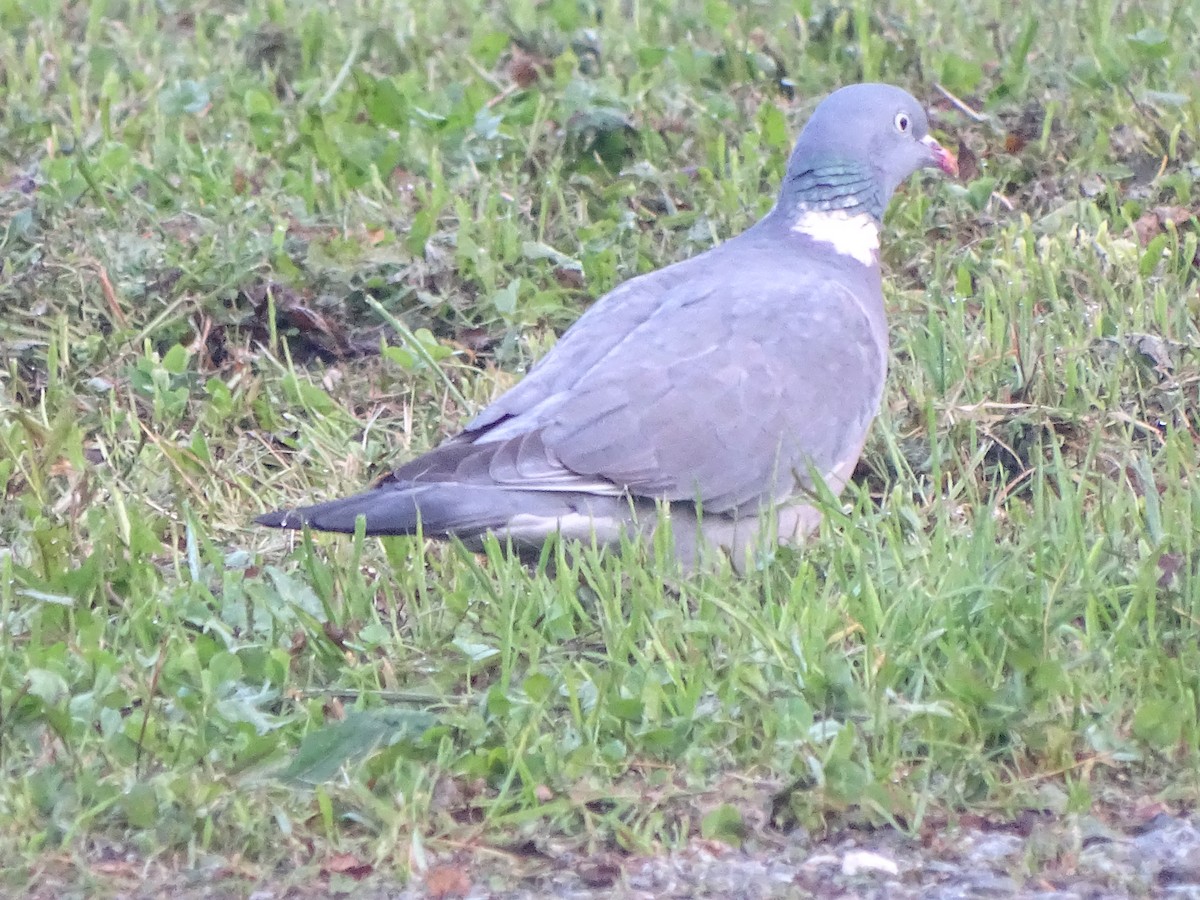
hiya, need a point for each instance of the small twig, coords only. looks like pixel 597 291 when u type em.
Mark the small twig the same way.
pixel 110 297
pixel 270 448
pixel 1010 487
pixel 961 105
pixel 1150 430
pixel 988 406
pixel 158 667
pixel 503 95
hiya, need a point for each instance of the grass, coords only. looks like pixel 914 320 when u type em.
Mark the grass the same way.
pixel 212 219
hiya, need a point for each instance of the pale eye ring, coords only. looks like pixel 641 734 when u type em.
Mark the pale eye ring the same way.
pixel 903 123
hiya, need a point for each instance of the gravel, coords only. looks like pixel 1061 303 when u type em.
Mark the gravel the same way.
pixel 1151 854
pixel 1048 860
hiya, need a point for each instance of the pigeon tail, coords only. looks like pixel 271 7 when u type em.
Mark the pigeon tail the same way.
pixel 466 511
pixel 386 510
pixel 399 508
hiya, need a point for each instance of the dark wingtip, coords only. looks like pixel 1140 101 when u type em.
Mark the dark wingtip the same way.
pixel 387 511
pixel 281 518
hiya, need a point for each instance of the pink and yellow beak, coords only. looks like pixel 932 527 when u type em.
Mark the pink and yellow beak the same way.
pixel 941 156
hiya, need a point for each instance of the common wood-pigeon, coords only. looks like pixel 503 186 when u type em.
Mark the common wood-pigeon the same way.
pixel 713 390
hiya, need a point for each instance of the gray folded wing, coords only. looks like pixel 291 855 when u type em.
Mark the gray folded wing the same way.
pixel 728 392
pixel 586 343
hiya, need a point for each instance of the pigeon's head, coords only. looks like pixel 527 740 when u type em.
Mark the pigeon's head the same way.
pixel 872 131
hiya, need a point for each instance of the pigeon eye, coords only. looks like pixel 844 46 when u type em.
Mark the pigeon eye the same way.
pixel 902 122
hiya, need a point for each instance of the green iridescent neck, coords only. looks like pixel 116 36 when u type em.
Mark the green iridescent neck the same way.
pixel 833 187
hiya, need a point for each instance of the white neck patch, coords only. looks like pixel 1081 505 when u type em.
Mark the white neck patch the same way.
pixel 852 234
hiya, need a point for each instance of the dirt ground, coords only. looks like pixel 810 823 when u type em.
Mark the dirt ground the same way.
pixel 1153 853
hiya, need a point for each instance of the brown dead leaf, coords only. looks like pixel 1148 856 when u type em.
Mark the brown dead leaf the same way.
pixel 1147 227
pixel 447 795
pixel 337 635
pixel 1174 215
pixel 1027 127
pixel 115 868
pixel 334 710
pixel 304 231
pixel 569 277
pixel 672 125
pixel 526 69
pixel 347 864
pixel 1149 810
pixel 1154 350
pixel 446 881
pixel 304 318
pixel 1026 821
pixel 475 339
pixel 968 162
pixel 1014 143
pixel 1136 484
pixel 319 333
pixel 1154 222
pixel 61 467
pixel 599 872
pixel 1169 565
pixel 522 70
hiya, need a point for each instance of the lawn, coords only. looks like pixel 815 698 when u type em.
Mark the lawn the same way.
pixel 255 254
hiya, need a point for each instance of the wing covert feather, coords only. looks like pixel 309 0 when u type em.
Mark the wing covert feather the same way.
pixel 723 389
